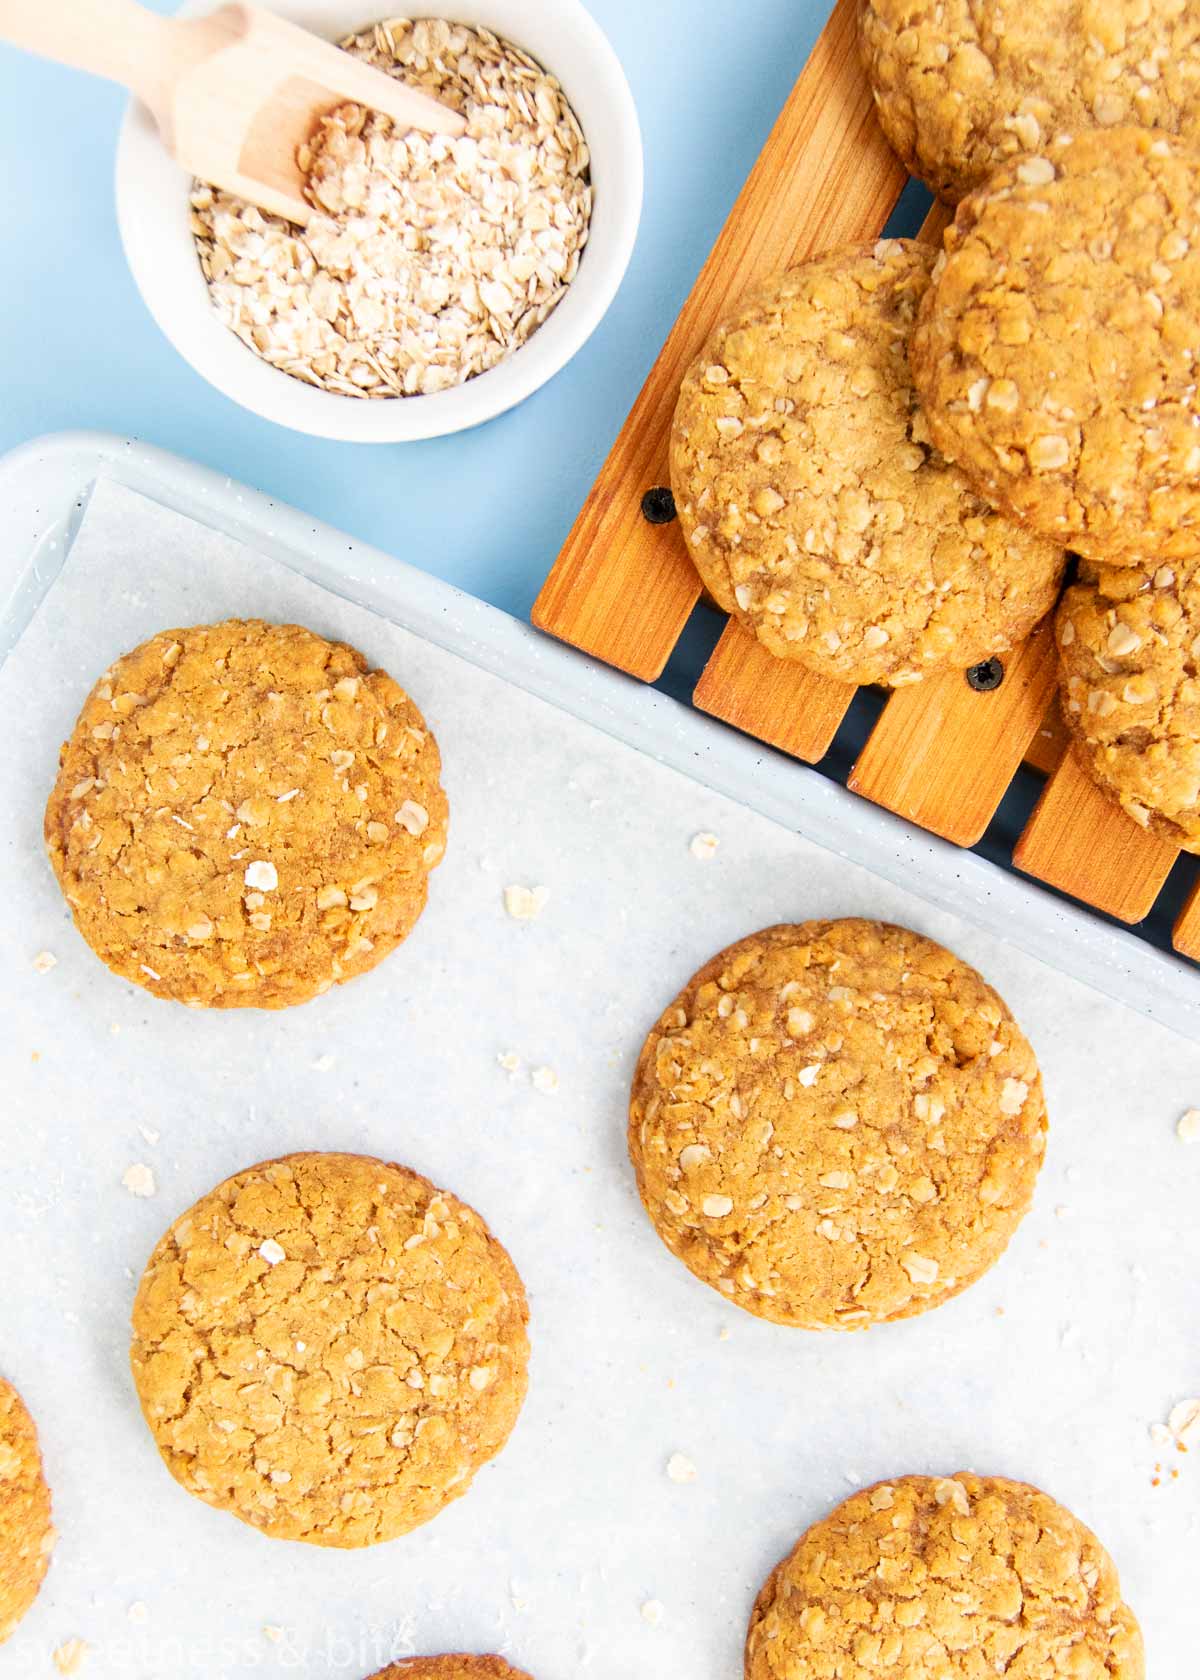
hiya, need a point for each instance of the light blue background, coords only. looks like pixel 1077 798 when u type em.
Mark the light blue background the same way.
pixel 488 509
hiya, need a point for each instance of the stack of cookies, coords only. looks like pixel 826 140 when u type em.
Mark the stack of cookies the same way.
pixel 884 462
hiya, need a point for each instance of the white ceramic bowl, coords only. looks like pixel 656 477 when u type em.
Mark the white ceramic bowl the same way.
pixel 152 211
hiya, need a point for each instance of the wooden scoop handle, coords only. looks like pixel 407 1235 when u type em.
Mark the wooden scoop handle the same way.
pixel 114 38
pixel 154 56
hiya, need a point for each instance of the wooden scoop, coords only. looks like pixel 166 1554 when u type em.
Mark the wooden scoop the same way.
pixel 234 93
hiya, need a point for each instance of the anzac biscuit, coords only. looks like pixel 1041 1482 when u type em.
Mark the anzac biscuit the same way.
pixel 26 1534
pixel 1129 650
pixel 961 86
pixel 1055 354
pixel 451 1668
pixel 836 1124
pixel 960 1577
pixel 245 814
pixel 814 507
pixel 329 1348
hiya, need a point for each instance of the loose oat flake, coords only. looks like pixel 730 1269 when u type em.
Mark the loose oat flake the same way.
pixel 70 1656
pixel 139 1179
pixel 430 259
pixel 525 904
pixel 681 1469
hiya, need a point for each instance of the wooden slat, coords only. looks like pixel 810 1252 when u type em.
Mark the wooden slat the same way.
pixel 942 755
pixel 1081 842
pixel 622 588
pixel 772 699
pixel 1049 743
pixel 1186 934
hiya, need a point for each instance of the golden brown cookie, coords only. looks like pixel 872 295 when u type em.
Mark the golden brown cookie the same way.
pixel 26 1533
pixel 836 1124
pixel 329 1348
pixel 457 1667
pixel 245 814
pixel 1055 351
pixel 961 86
pixel 959 1578
pixel 1129 651
pixel 813 505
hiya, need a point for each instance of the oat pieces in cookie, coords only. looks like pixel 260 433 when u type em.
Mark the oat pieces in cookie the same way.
pixel 1129 654
pixel 1055 354
pixel 961 86
pixel 459 1667
pixel 329 1348
pixel 813 505
pixel 245 814
pixel 959 1577
pixel 836 1124
pixel 26 1532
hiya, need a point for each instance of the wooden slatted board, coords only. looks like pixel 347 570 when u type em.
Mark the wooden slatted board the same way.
pixel 622 589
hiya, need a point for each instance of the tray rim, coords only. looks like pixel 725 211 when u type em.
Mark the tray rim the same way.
pixel 44 485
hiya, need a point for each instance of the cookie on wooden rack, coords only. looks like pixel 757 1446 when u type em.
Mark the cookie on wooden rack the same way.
pixel 814 507
pixel 1129 650
pixel 329 1348
pixel 26 1533
pixel 245 814
pixel 1055 355
pixel 957 1576
pixel 961 86
pixel 836 1124
pixel 457 1667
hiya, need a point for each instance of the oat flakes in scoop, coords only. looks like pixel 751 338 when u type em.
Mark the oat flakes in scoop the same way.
pixel 431 259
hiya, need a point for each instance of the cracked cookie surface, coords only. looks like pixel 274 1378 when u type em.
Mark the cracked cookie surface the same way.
pixel 1055 353
pixel 836 1124
pixel 963 1577
pixel 1129 653
pixel 245 814
pixel 329 1348
pixel 813 505
pixel 961 86
pixel 457 1667
pixel 26 1532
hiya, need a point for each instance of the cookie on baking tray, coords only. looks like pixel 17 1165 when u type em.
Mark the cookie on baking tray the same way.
pixel 812 503
pixel 245 814
pixel 958 1576
pixel 457 1667
pixel 26 1532
pixel 836 1124
pixel 1129 654
pixel 329 1348
pixel 1055 354
pixel 961 86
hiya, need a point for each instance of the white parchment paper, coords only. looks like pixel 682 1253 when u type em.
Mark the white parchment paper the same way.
pixel 1051 1369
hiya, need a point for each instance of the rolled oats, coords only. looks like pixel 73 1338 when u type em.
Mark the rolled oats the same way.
pixel 430 259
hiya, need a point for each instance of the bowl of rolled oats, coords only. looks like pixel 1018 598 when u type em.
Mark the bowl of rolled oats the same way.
pixel 440 280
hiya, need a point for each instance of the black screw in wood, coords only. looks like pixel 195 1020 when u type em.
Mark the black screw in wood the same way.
pixel 986 676
pixel 658 506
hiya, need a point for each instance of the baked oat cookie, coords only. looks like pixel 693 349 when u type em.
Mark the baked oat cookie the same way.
pixel 836 1124
pixel 246 814
pixel 26 1533
pixel 451 1668
pixel 959 1577
pixel 329 1348
pixel 813 505
pixel 1055 350
pixel 961 86
pixel 1129 651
